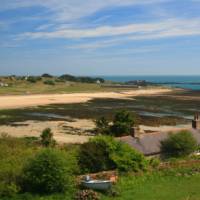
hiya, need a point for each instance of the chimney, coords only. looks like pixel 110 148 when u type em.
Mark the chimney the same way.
pixel 196 122
pixel 135 132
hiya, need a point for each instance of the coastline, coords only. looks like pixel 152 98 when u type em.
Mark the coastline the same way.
pixel 24 101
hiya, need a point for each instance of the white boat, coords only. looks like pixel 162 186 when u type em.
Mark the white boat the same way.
pixel 97 184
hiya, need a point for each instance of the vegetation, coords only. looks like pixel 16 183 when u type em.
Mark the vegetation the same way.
pixel 47 138
pixel 33 79
pixel 49 82
pixel 14 154
pixel 25 162
pixel 87 195
pixel 178 145
pixel 47 173
pixel 102 126
pixel 105 153
pixel 121 126
pixel 68 77
pixel 122 123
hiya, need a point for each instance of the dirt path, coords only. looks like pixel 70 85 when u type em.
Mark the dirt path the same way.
pixel 9 102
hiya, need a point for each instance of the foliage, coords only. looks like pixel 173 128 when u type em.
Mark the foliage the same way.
pixel 82 79
pixel 154 162
pixel 105 153
pixel 47 76
pixel 122 124
pixel 47 173
pixel 102 126
pixel 14 154
pixel 33 79
pixel 179 144
pixel 49 82
pixel 87 195
pixel 8 190
pixel 47 138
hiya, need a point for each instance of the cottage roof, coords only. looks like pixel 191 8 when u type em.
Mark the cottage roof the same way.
pixel 149 144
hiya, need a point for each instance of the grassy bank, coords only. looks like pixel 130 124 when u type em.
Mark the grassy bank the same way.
pixel 176 181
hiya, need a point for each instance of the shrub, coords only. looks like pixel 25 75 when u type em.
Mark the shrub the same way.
pixel 47 75
pixel 47 138
pixel 47 173
pixel 33 79
pixel 86 195
pixel 178 145
pixel 14 154
pixel 122 124
pixel 105 153
pixel 49 82
pixel 102 126
pixel 8 190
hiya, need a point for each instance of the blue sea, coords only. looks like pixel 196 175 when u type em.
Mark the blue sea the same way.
pixel 186 82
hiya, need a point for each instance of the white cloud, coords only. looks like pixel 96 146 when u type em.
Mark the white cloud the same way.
pixel 66 10
pixel 168 28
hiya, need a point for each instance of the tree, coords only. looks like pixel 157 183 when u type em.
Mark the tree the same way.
pixel 47 173
pixel 122 124
pixel 105 153
pixel 180 144
pixel 102 126
pixel 47 138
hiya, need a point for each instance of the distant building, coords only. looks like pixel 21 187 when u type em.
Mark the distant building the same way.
pixel 98 82
pixel 3 84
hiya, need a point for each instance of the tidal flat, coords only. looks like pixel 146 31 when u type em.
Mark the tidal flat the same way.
pixel 173 108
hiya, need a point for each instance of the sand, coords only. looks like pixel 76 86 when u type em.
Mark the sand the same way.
pixel 61 134
pixel 64 131
pixel 10 102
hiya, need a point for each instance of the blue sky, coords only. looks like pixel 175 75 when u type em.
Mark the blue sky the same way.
pixel 100 37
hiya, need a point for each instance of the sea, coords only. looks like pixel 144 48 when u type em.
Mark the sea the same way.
pixel 185 82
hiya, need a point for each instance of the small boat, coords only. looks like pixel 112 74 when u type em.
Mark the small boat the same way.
pixel 97 184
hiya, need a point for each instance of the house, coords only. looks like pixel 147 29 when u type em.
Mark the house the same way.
pixel 149 144
pixel 3 84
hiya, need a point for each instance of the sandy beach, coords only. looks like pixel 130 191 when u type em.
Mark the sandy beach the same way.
pixel 9 102
pixel 64 131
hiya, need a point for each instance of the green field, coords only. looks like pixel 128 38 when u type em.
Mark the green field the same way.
pixel 158 187
pixel 153 187
pixel 21 87
pixel 178 181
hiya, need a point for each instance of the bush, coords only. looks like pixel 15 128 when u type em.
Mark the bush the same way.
pixel 122 124
pixel 8 190
pixel 49 82
pixel 47 173
pixel 14 154
pixel 105 153
pixel 33 79
pixel 47 138
pixel 87 195
pixel 47 75
pixel 102 126
pixel 179 145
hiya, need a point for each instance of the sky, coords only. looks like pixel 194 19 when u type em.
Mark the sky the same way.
pixel 100 37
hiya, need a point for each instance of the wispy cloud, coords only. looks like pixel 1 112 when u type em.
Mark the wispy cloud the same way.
pixel 168 28
pixel 72 9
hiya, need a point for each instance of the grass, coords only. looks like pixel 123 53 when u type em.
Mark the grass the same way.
pixel 179 182
pixel 21 87
pixel 158 187
pixel 152 187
